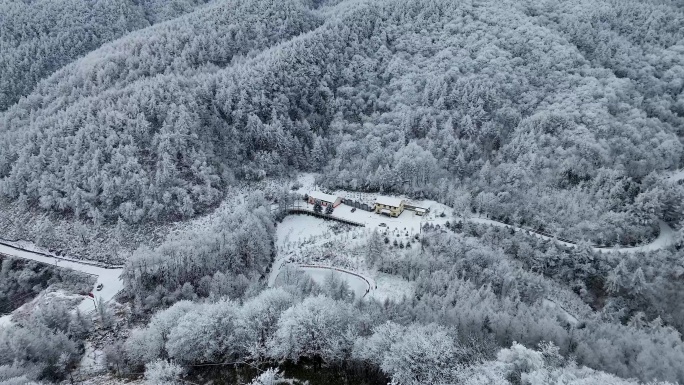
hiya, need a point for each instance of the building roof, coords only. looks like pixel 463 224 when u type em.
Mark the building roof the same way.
pixel 385 211
pixel 388 201
pixel 321 196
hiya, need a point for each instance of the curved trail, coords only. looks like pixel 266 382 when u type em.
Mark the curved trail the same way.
pixel 666 237
pixel 359 284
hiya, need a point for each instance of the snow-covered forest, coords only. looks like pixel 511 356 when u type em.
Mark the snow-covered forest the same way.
pixel 167 140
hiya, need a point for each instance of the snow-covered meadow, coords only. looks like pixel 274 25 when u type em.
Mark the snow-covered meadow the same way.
pixel 312 241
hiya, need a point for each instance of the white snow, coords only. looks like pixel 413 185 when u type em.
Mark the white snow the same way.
pixel 675 176
pixel 569 318
pixel 299 228
pixel 295 228
pixel 408 220
pixel 307 180
pixel 392 287
pixel 389 201
pixel 93 360
pixel 6 320
pixel 321 196
pixel 313 242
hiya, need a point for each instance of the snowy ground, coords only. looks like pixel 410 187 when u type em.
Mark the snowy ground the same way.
pixel 309 240
pixel 297 233
pixel 46 296
pixel 674 176
pixel 320 245
pixel 6 320
pixel 392 287
pixel 292 232
pixel 569 318
pixel 93 360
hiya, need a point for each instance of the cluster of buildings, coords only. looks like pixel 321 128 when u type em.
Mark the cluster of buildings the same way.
pixel 390 206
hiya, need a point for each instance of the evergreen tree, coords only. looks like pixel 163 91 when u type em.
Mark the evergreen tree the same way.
pixel 375 248
pixel 318 208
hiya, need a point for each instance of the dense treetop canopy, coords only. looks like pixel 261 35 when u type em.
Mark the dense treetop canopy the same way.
pixel 550 113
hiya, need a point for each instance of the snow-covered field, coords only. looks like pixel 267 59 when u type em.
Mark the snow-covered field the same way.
pixel 308 240
pixel 569 318
pixel 93 360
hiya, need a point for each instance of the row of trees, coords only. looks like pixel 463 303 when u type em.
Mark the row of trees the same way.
pixel 327 332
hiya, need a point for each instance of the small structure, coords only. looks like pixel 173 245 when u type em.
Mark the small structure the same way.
pixel 389 206
pixel 419 211
pixel 413 206
pixel 325 199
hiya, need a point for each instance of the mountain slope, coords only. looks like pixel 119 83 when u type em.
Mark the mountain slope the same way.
pixel 40 36
pixel 392 95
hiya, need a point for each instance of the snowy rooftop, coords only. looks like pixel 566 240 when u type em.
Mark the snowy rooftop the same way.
pixel 389 201
pixel 323 196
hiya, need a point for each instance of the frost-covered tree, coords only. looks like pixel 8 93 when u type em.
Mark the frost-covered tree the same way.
pixel 270 377
pixel 149 343
pixel 257 320
pixel 374 249
pixel 206 334
pixel 416 354
pixel 318 328
pixel 162 372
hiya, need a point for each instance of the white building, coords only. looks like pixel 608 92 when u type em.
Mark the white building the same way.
pixel 389 206
pixel 325 199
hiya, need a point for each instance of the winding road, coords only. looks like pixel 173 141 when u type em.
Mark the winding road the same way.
pixel 109 276
pixel 666 237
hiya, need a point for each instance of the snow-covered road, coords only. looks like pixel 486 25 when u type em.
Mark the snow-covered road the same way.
pixel 666 237
pixel 109 278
